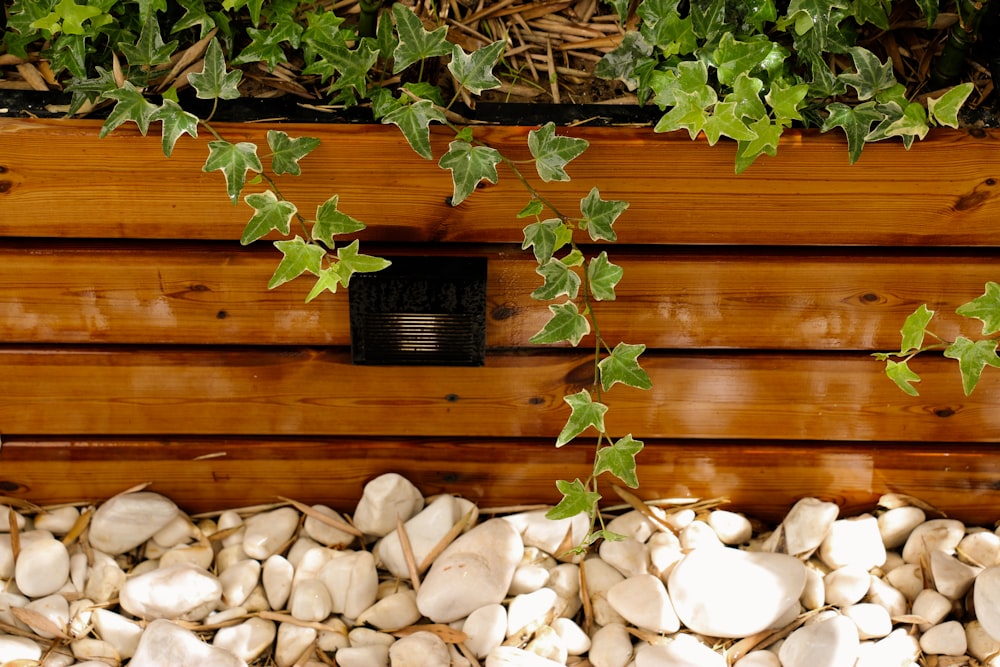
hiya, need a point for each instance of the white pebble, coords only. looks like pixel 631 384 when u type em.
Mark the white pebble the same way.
pixel 42 567
pixel 511 656
pixel 88 649
pixel 600 577
pixel 363 656
pixel 127 520
pixel 352 580
pixel 248 640
pixel 986 599
pixel 899 648
pixel 267 532
pixel 908 579
pixel 528 578
pixel 551 536
pixel 806 525
pixel 855 541
pixel 873 620
pixel 576 641
pixel 979 547
pixel 699 535
pixel 814 592
pixel 642 600
pixel 529 610
pixel 326 534
pixel 611 646
pixel 310 600
pixel 832 642
pixel 730 527
pixel 385 500
pixel 683 651
pixel 419 649
pixel 392 612
pixel 183 592
pixel 887 596
pixel 166 644
pixel 952 577
pixel 292 644
pixel 629 556
pixel 122 633
pixel 981 645
pixel 238 581
pixel 942 534
pixel 896 524
pixel 58 521
pixel 846 585
pixel 931 606
pixel 632 524
pixel 946 638
pixel 425 531
pixel 486 629
pixel 177 531
pixel 758 659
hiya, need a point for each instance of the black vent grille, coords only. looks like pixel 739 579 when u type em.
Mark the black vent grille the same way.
pixel 420 311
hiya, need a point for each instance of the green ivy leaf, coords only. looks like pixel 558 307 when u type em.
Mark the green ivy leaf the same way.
pixel 330 222
pixel 67 17
pixel 266 45
pixel 150 50
pixel 619 460
pixel 585 413
pixel 213 82
pixel 323 32
pixel 351 262
pixel 855 121
pixel 746 97
pixel 414 121
pixel 621 63
pixel 195 16
pixel 416 43
pixel 875 12
pixel 900 373
pixel 270 213
pixel 535 207
pixel 565 325
pixel 328 281
pixel 131 106
pixel 352 65
pixel 599 215
pixel 727 121
pixel 622 365
pixel 286 152
pixel 709 19
pixel 552 153
pixel 234 161
pixel 871 76
pixel 767 137
pixel 559 279
pixel 545 238
pixel 665 28
pixel 475 72
pixel 914 328
pixel 386 40
pixel 929 8
pixel 734 58
pixel 176 122
pixel 972 358
pixel 469 165
pixel 910 124
pixel 944 109
pixel 254 7
pixel 576 500
pixel 985 308
pixel 298 257
pixel 602 277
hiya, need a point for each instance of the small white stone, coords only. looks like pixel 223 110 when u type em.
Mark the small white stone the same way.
pixel 238 581
pixel 986 600
pixel 352 580
pixel 385 500
pixel 248 640
pixel 486 629
pixel 419 649
pixel 678 518
pixel 551 536
pixel 7 551
pixel 530 610
pixel 335 638
pixel 425 531
pixel 576 641
pixel 19 520
pixel 231 522
pixel 55 610
pixel 293 642
pixel 511 656
pixel 564 579
pixel 699 535
pixel 611 646
pixel 931 606
pixel 324 533
pixel 981 645
pixel 392 612
pixel 105 580
pixel 908 579
pixel 896 524
pixel 267 532
pixel 888 597
pixel 664 552
pixel 731 528
pixel 943 534
pixel 373 655
pixel 58 521
pixel 946 638
pixel 600 577
pixel 873 620
pixel 528 578
pixel 183 592
pixel 178 530
pixel 123 634
pixel 166 644
pixel 310 600
pixel 276 575
pixel 127 520
pixel 814 592
pixel 952 578
pixel 633 524
pixel 806 525
pixel 312 562
pixel 42 567
pixel 81 614
pixel 547 644
pixel 846 585
pixel 18 648
pixel 201 555
pixel 899 648
pixel 642 600
pixel 683 651
pixel 829 643
pixel 87 649
pixel 366 636
pixel 629 556
pixel 855 541
pixel 979 547
pixel 758 659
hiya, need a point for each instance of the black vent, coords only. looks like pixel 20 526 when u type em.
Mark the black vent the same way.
pixel 428 311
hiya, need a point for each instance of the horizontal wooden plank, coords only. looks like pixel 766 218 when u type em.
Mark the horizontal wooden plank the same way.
pixel 167 293
pixel 941 192
pixel 762 479
pixel 299 392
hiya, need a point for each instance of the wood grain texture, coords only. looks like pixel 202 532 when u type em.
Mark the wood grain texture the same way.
pixel 298 392
pixel 214 294
pixel 944 191
pixel 760 478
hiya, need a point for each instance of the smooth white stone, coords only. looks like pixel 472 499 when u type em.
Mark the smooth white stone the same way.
pixel 952 578
pixel 64 660
pixel 58 521
pixel 931 606
pixel 473 571
pixel 276 576
pixel 564 579
pixel 758 659
pixel 730 527
pixel 178 530
pixel 946 638
pixel 335 638
pixel 81 613
pixel 54 609
pixel 664 552
pixel 814 592
pixel 896 524
pixel 699 535
pixel 292 643
pixel 730 593
pixel 986 600
pixel 642 600
pixel 873 620
pixel 79 569
pixel 373 655
pixel 201 555
pixel 310 600
pixel 42 567
pixel 127 520
pixel 97 649
pixel 9 600
pixel 248 640
pixel 225 615
pixel 267 532
pixel 898 649
pixel 392 612
pixel 419 649
pixel 855 541
pixel 548 535
pixel 943 534
pixel 19 521
pixel 385 500
pixel 166 644
pixel 806 525
pixel 683 651
pixel 528 611
pixel 312 562
pixel 183 592
pixel 300 548
pixel 979 547
pixel 104 581
pixel 511 656
pixel 122 633
pixel 633 524
pixel 456 657
pixel 18 648
pixel 324 533
pixel 231 521
pixel 629 556
pixel 846 585
pixel 238 581
pixel 425 531
pixel 600 577
pixel 830 643
pixel 547 643
pixel 366 636
pixel 528 578
pixel 886 596
pixel 576 641
pixel 981 645
pixel 486 629
pixel 892 561
pixel 7 552
pixel 678 518
pixel 908 579
pixel 610 646
pixel 352 581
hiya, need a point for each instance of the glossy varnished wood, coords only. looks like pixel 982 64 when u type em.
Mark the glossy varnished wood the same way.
pixel 298 391
pixel 681 298
pixel 763 479
pixel 943 191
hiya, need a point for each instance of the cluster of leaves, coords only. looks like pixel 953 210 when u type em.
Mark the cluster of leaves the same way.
pixel 972 355
pixel 744 70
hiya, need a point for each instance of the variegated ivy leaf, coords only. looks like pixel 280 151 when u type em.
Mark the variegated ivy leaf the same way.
pixel 576 500
pixel 726 121
pixel 330 222
pixel 328 281
pixel 733 57
pixel 855 121
pixel 603 276
pixel 664 26
pixel 622 365
pixel 871 75
pixel 414 121
pixel 469 165
pixel 902 375
pixel 785 101
pixel 213 82
pixel 298 257
pixel 131 106
pixel 973 357
pixel 767 136
pixel 619 460
pixel 234 161
pixel 914 328
pixel 176 122
pixel 474 71
pixel 621 63
pixel 416 43
pixel 944 109
pixel 585 413
pixel 545 238
pixel 270 214
pixel 286 152
pixel 552 153
pixel 566 325
pixel 559 279
pixel 352 262
pixel 911 124
pixel 872 11
pixel 985 308
pixel 599 215
pixel 149 50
